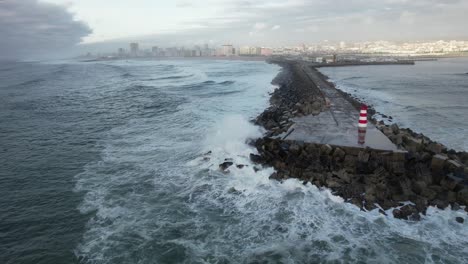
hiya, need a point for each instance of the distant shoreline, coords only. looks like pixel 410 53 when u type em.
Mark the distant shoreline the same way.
pixel 231 58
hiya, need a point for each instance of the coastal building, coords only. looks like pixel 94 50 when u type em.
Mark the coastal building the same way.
pixel 255 51
pixel 342 45
pixel 121 52
pixel 134 48
pixel 266 52
pixel 227 50
pixel 155 50
pixel 244 51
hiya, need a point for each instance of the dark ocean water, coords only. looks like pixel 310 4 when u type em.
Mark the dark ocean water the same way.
pixel 103 163
pixel 430 97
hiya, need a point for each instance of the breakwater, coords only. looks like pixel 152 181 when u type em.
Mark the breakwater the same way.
pixel 422 173
pixel 363 63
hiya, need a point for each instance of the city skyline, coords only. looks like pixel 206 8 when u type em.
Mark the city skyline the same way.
pixel 417 48
pixel 73 26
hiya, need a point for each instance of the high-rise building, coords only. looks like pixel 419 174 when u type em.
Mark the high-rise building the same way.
pixel 342 45
pixel 244 51
pixel 255 51
pixel 155 50
pixel 227 50
pixel 134 49
pixel 266 52
pixel 121 52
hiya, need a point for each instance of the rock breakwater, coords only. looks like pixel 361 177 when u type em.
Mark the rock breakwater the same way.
pixel 424 173
pixel 296 96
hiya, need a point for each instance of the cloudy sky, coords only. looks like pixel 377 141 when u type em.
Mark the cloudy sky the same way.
pixel 31 26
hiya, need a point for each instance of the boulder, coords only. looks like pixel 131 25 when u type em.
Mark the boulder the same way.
pixel 441 204
pixel 294 148
pixel 274 176
pixel 395 128
pixel 419 186
pixel 437 163
pixel 343 175
pixel 429 193
pixel 407 212
pixel 396 139
pixel 459 219
pixel 435 148
pixel 350 163
pixel 225 165
pixel 326 149
pixel 462 196
pixel 454 166
pixel 450 183
pixel 387 131
pixel 363 156
pixel 405 185
pixel 339 154
pixel 412 144
pixel 256 158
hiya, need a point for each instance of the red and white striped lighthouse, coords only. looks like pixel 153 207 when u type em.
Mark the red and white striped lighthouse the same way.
pixel 362 126
pixel 363 116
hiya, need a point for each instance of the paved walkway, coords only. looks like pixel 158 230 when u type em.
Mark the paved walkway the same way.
pixel 338 125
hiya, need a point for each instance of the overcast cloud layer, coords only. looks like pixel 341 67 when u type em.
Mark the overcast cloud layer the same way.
pixel 306 21
pixel 31 28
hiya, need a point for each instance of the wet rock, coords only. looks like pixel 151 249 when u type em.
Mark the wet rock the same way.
pixel 275 176
pixel 407 212
pixel 387 131
pixel 395 128
pixel 256 158
pixel 240 166
pixel 419 186
pixel 441 204
pixel 225 165
pixel 343 175
pixel 437 163
pixel 454 166
pixel 412 144
pixel 326 149
pixel 449 183
pixel 459 219
pixel 420 203
pixel 350 163
pixel 339 154
pixel 363 156
pixel 435 148
pixel 233 190
pixel 294 148
pixel 429 193
pixel 462 196
pixel 396 139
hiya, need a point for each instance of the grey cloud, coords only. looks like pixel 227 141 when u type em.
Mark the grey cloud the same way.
pixel 31 28
pixel 363 19
pixel 308 21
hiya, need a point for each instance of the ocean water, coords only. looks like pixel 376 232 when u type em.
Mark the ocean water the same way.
pixel 430 97
pixel 107 163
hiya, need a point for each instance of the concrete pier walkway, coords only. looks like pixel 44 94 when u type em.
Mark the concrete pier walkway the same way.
pixel 336 126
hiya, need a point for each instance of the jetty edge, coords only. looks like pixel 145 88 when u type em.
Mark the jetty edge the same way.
pixel 421 173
